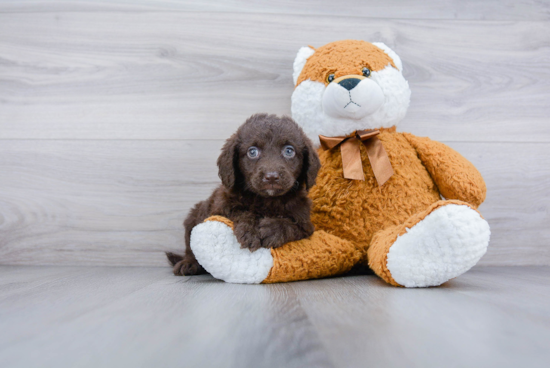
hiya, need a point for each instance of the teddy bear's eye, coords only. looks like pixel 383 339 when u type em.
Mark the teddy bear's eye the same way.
pixel 330 78
pixel 366 72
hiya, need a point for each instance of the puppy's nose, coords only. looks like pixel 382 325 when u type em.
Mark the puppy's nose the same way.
pixel 271 177
pixel 349 83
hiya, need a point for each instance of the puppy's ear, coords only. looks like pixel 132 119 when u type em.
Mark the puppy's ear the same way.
pixel 228 162
pixel 311 164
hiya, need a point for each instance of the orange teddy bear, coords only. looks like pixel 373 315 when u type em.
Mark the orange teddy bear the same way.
pixel 378 198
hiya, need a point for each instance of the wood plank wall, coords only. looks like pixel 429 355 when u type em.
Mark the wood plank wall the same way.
pixel 112 113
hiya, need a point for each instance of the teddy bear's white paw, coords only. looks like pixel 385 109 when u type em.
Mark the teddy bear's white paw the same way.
pixel 445 244
pixel 218 251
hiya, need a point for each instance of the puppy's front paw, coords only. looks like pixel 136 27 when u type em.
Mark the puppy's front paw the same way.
pixel 188 266
pixel 270 233
pixel 247 237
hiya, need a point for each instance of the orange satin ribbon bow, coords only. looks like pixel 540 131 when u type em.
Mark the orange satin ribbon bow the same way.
pixel 351 154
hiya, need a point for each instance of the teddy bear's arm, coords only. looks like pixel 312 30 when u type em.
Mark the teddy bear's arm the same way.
pixel 456 177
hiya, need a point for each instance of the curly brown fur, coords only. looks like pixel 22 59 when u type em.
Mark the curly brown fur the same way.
pixel 265 195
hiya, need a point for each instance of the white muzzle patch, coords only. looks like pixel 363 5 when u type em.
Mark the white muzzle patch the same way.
pixel 340 101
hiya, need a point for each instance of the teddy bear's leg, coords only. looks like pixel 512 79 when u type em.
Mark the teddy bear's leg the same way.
pixel 218 251
pixel 431 247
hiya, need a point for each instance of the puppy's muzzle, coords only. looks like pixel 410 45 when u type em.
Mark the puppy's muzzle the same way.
pixel 271 182
pixel 271 178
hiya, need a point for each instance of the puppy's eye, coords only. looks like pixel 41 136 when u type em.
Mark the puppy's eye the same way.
pixel 366 72
pixel 288 151
pixel 330 78
pixel 253 152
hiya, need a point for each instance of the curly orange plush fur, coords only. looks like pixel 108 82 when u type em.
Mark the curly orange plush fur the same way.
pixel 356 210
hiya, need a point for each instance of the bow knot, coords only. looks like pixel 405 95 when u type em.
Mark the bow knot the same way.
pixel 351 154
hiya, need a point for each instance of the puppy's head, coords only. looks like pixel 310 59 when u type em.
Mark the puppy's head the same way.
pixel 268 156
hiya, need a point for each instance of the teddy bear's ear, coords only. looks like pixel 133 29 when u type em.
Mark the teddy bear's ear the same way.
pixel 303 54
pixel 390 53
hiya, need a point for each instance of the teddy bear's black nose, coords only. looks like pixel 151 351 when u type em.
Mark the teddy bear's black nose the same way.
pixel 349 83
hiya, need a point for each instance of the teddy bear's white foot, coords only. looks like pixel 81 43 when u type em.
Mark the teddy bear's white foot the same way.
pixel 445 244
pixel 218 251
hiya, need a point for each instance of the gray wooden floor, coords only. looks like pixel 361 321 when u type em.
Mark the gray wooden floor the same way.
pixel 145 317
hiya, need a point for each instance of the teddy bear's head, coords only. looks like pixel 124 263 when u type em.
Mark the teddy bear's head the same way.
pixel 346 86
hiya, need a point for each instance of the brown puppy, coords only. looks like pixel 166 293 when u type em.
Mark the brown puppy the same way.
pixel 266 168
